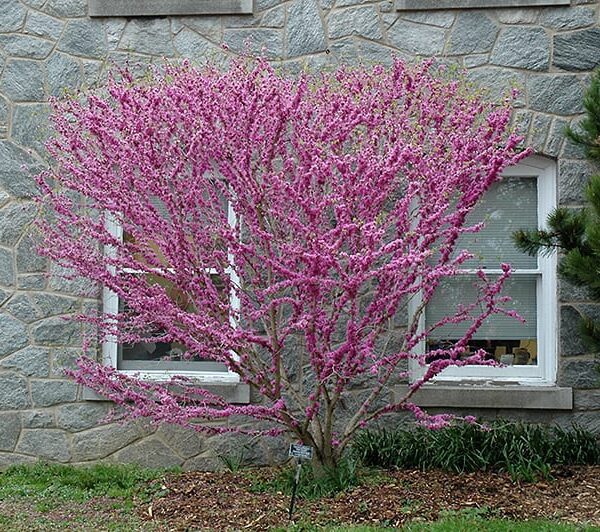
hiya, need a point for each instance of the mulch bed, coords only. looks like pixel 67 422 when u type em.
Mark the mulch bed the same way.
pixel 223 500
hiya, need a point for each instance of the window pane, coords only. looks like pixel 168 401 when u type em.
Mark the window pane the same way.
pixel 499 335
pixel 509 205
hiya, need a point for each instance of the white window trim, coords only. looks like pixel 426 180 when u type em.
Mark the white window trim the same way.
pixel 110 306
pixel 544 373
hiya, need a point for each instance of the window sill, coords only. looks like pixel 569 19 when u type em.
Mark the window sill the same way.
pixel 424 5
pixel 235 393
pixel 161 8
pixel 493 396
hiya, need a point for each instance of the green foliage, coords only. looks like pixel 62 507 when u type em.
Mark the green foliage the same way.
pixel 52 483
pixel 333 480
pixel 525 451
pixel 588 133
pixel 576 233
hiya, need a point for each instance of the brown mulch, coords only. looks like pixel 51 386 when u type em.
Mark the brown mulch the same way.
pixel 223 500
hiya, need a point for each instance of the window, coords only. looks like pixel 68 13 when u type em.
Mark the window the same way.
pixel 154 8
pixel 155 359
pixel 523 199
pixel 422 5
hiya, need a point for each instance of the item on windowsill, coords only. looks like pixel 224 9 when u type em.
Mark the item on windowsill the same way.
pixel 507 360
pixel 521 356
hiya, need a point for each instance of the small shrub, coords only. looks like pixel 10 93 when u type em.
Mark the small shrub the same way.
pixel 525 451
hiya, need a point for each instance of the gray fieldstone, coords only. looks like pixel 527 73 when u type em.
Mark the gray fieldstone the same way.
pixel 66 8
pixel 473 61
pixel 37 419
pixel 571 343
pixel 62 359
pixel 7 271
pixel 36 4
pixel 114 31
pixel 569 293
pixel 572 178
pixel 578 50
pixel 443 19
pixel 30 126
pixel 4 197
pixel 52 305
pixel 51 444
pixel 81 416
pixel 64 73
pixel 148 453
pixel 14 218
pixel 275 18
pixel 305 33
pixel 539 132
pixel 43 25
pixel 23 80
pixel 417 39
pixel 521 47
pixel 4 295
pixel 84 37
pixel 10 429
pixel 148 36
pixel 473 33
pixel 185 442
pixel 21 307
pixel 209 27
pixel 92 72
pixel 28 259
pixel 4 112
pixel 372 52
pixel 13 179
pixel 560 94
pixel 10 459
pixel 205 462
pixel 254 41
pixel 57 332
pixel 262 5
pixel 196 48
pixel 580 374
pixel 12 15
pixel 242 21
pixel 326 4
pixel 567 18
pixel 517 16
pixel 363 21
pixel 498 82
pixel 30 361
pixel 61 281
pixel 26 46
pixel 97 443
pixel 556 137
pixel 586 400
pixel 31 282
pixel 13 389
pixel 13 335
pixel 49 392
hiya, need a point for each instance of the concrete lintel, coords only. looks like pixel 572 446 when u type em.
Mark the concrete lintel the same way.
pixel 156 8
pixel 424 5
pixel 480 396
pixel 235 393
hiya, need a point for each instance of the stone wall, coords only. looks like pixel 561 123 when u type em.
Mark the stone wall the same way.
pixel 49 46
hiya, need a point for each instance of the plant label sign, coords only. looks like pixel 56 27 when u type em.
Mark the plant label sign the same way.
pixel 301 452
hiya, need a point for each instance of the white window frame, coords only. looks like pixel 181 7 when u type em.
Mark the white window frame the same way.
pixel 110 306
pixel 544 373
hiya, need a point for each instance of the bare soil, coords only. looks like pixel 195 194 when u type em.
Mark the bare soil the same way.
pixel 224 500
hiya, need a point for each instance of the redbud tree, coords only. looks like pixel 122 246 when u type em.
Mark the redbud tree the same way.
pixel 280 226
